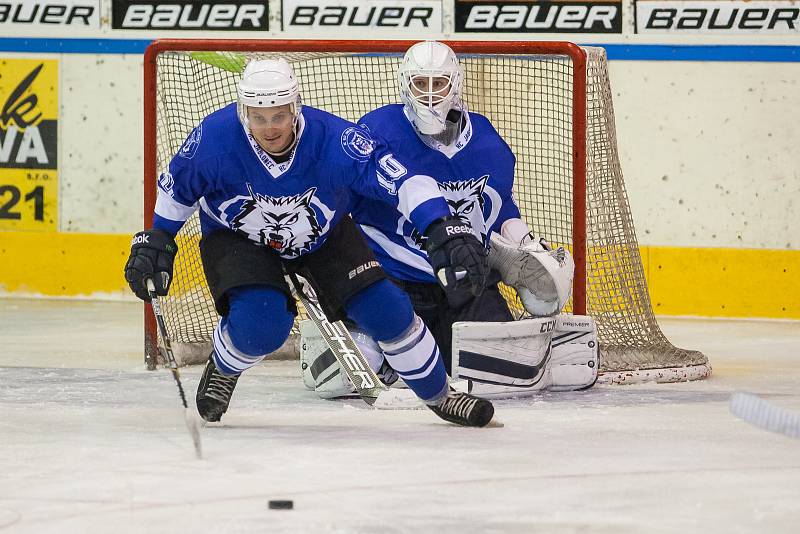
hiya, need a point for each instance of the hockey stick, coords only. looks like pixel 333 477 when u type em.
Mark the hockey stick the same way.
pixel 368 386
pixel 766 415
pixel 191 422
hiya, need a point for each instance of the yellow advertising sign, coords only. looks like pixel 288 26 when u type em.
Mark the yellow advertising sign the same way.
pixel 28 144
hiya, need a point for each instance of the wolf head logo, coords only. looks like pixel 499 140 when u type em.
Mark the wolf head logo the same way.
pixel 286 224
pixel 466 202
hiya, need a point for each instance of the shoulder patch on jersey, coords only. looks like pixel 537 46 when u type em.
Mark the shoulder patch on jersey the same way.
pixel 165 182
pixel 357 143
pixel 189 146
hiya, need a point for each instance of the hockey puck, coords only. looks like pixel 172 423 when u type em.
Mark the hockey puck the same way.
pixel 280 505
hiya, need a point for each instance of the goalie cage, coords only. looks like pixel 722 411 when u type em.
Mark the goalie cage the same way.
pixel 551 101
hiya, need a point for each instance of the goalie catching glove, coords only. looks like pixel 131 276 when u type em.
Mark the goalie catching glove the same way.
pixel 458 258
pixel 152 256
pixel 542 276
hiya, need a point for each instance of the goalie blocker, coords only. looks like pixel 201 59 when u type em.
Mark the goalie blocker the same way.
pixel 495 359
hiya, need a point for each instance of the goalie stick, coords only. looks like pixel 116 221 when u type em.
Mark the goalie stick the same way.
pixel 368 386
pixel 191 422
pixel 766 415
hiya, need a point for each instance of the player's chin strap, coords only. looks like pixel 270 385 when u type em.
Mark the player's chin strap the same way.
pixel 518 357
pixel 288 148
pixel 453 126
pixel 541 276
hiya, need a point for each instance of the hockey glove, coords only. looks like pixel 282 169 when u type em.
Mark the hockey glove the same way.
pixel 152 256
pixel 458 258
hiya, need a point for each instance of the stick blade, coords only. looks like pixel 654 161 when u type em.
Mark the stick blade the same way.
pixel 397 399
pixel 194 429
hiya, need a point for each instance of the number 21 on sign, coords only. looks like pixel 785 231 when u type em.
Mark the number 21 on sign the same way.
pixel 28 200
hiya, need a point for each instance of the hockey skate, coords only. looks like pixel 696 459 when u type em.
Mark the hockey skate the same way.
pixel 214 392
pixel 464 409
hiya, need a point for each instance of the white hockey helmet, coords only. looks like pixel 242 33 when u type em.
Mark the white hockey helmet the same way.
pixel 266 83
pixel 422 63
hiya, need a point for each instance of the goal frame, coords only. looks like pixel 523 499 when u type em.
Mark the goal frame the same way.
pixel 561 48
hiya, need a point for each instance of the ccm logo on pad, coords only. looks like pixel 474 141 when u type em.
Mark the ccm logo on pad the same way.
pixel 549 326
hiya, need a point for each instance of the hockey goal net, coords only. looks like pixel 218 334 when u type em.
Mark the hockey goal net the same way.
pixel 551 102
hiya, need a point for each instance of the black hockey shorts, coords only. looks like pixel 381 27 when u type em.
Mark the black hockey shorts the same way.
pixel 340 268
pixel 431 305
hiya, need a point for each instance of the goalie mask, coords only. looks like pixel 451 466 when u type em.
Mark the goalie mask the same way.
pixel 268 83
pixel 430 80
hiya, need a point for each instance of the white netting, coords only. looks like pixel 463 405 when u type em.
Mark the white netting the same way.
pixel 529 100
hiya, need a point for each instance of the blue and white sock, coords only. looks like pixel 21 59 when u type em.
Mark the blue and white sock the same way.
pixel 229 360
pixel 415 356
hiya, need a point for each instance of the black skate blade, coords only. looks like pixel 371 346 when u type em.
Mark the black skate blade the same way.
pixel 494 423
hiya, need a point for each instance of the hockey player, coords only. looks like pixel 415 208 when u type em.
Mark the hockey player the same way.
pixel 474 169
pixel 274 182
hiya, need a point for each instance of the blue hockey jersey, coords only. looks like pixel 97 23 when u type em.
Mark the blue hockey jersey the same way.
pixel 221 170
pixel 475 174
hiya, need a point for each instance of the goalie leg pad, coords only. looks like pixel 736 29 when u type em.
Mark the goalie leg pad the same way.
pixel 575 357
pixel 322 372
pixel 512 355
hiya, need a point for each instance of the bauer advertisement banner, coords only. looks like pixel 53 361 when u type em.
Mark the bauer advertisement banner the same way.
pixel 28 144
pixel 380 16
pixel 60 16
pixel 777 17
pixel 526 16
pixel 231 15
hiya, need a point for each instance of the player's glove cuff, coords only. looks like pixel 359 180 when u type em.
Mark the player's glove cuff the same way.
pixel 152 257
pixel 446 229
pixel 458 258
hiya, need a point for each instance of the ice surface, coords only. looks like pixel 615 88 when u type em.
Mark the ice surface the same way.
pixel 92 442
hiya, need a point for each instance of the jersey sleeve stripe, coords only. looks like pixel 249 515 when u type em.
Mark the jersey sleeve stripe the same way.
pixel 210 212
pixel 169 208
pixel 398 252
pixel 419 190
